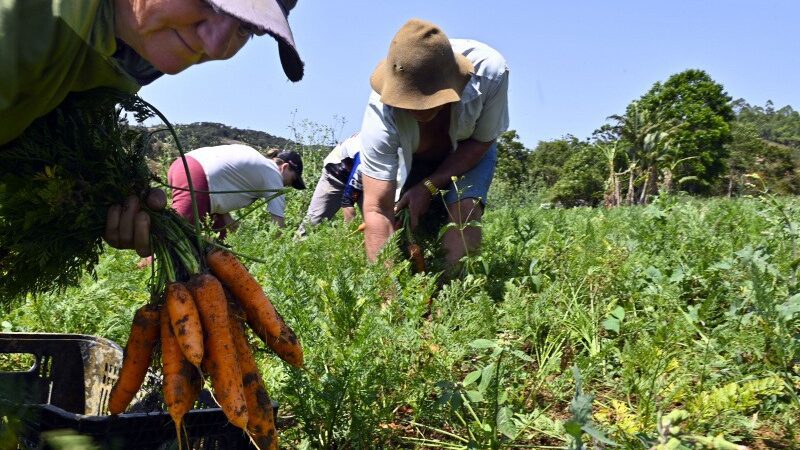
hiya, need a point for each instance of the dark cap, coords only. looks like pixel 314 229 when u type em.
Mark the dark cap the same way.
pixel 296 162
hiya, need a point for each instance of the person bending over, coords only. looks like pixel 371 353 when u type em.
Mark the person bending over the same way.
pixel 230 177
pixel 442 103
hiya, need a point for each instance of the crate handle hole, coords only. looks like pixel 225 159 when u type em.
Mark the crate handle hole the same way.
pixel 18 362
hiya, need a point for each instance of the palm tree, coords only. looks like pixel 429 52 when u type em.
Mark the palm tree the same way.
pixel 647 134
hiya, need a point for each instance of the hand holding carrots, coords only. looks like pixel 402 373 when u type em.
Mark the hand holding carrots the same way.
pixel 128 225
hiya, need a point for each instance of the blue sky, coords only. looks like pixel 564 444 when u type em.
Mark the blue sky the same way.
pixel 573 63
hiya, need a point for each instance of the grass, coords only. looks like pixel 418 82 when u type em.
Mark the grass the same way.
pixel 683 312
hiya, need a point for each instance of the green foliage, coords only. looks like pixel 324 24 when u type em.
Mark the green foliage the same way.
pixel 582 178
pixel 581 421
pixel 781 126
pixel 512 159
pixel 750 154
pixel 699 109
pixel 548 159
pixel 672 436
pixel 57 181
pixel 680 305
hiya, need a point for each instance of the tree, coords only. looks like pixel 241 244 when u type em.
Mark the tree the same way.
pixel 751 154
pixel 548 158
pixel 512 158
pixel 643 133
pixel 698 112
pixel 781 126
pixel 583 177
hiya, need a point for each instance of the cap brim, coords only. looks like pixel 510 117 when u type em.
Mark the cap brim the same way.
pixel 268 16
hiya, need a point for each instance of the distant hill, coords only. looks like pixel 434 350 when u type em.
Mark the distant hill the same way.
pixel 204 134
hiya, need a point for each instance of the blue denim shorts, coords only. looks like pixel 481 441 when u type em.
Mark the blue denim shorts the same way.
pixel 475 182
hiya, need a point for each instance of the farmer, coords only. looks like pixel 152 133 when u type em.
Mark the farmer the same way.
pixel 339 186
pixel 49 48
pixel 444 102
pixel 230 177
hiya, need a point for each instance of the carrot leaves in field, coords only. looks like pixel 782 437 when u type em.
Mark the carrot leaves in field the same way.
pixel 57 181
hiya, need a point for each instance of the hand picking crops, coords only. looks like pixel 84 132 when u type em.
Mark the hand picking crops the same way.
pixel 56 183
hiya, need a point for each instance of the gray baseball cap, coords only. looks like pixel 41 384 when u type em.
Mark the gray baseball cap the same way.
pixel 270 16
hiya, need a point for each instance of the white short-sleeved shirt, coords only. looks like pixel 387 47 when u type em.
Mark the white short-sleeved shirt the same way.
pixel 346 149
pixel 482 114
pixel 238 167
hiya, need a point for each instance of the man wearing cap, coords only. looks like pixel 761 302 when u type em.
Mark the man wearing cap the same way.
pixel 444 103
pixel 49 48
pixel 230 177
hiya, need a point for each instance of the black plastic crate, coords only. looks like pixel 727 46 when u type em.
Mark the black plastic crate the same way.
pixel 205 428
pixel 67 388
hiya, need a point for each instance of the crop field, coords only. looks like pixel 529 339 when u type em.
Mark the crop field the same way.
pixel 670 324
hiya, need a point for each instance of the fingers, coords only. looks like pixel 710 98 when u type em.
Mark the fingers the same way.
pixel 126 225
pixel 402 203
pixel 141 234
pixel 112 226
pixel 156 199
pixel 414 220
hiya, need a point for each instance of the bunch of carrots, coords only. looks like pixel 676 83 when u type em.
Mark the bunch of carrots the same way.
pixel 201 298
pixel 200 325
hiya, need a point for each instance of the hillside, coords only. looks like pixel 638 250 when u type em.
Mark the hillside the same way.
pixel 204 134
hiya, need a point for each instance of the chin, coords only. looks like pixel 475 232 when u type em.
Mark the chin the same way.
pixel 171 61
pixel 171 67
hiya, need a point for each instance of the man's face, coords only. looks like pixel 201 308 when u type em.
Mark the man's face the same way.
pixel 175 34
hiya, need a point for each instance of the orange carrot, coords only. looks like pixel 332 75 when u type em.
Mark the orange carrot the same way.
pixel 179 390
pixel 362 227
pixel 261 315
pixel 137 358
pixel 220 352
pixel 416 257
pixel 286 346
pixel 185 322
pixel 260 421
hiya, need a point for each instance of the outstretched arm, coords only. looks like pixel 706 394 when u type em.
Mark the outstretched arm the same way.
pixel 418 198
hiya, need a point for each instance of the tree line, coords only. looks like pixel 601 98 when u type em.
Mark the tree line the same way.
pixel 683 135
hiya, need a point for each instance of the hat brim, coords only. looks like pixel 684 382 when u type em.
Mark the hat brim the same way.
pixel 270 17
pixel 415 100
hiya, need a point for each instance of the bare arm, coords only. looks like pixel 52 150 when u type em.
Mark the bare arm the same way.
pixel 466 156
pixel 378 214
pixel 418 198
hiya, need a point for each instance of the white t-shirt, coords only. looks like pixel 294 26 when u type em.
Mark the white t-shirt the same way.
pixel 482 114
pixel 346 149
pixel 238 167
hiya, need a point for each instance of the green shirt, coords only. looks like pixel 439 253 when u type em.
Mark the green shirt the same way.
pixel 49 48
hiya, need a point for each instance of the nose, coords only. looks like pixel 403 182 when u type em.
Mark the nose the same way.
pixel 220 36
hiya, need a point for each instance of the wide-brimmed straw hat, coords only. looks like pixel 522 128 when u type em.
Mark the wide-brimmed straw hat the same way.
pixel 271 17
pixel 421 70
